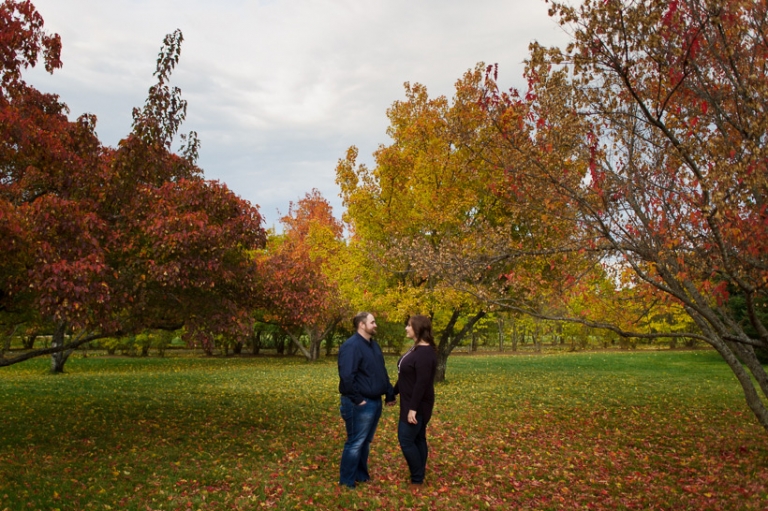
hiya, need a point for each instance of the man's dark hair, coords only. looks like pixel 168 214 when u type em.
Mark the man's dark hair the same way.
pixel 359 318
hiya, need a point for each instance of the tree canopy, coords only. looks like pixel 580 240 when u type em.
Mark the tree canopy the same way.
pixel 101 241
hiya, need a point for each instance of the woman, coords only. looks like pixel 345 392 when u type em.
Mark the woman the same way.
pixel 416 386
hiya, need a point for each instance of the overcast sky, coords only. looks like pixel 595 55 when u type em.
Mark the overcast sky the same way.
pixel 278 89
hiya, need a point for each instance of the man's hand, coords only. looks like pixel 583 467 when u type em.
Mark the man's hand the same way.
pixel 392 403
pixel 412 417
pixel 362 402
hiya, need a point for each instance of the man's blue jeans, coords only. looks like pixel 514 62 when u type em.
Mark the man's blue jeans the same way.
pixel 413 442
pixel 361 422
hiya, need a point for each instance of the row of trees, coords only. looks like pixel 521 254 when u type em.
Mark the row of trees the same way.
pixel 624 190
pixel 102 243
pixel 496 332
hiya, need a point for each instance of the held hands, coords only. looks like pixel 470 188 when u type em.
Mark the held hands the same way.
pixel 389 403
pixel 412 417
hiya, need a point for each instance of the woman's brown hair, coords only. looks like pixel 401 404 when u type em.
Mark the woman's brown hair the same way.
pixel 422 329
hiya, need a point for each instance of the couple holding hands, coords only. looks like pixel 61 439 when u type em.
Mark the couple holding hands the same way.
pixel 363 380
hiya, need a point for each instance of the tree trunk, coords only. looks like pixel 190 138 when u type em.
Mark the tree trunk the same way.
pixel 501 335
pixel 6 345
pixel 442 365
pixel 315 339
pixel 297 346
pixel 61 345
pixel 256 342
pixel 315 336
pixel 449 340
pixel 514 335
pixel 737 360
pixel 59 359
pixel 29 340
pixel 316 349
pixel 238 349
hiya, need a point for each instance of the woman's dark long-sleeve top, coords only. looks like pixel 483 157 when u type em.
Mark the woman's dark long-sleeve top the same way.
pixel 416 382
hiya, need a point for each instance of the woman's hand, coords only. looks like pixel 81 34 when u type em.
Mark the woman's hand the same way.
pixel 412 417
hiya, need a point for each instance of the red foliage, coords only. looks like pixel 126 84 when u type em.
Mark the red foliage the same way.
pixel 113 241
pixel 301 296
pixel 658 112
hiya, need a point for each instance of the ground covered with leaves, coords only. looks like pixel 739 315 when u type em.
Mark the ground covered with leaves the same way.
pixel 649 430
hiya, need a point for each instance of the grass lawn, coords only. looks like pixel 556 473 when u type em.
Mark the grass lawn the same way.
pixel 647 430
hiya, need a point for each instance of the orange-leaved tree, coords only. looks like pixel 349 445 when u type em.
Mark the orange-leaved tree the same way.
pixel 300 269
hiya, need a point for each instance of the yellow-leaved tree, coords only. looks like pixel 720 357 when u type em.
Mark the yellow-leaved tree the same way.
pixel 429 203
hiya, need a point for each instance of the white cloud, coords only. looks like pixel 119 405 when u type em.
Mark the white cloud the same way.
pixel 278 90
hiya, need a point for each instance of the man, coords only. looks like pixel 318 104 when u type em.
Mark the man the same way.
pixel 363 379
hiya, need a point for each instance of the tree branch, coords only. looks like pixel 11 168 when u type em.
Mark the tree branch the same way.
pixel 4 362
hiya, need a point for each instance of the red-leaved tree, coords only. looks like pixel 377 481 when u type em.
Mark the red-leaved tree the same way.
pixel 646 137
pixel 105 242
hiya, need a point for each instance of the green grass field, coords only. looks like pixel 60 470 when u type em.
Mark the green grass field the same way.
pixel 647 430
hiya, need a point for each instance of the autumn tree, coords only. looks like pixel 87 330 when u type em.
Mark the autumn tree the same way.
pixel 301 269
pixel 44 160
pixel 650 127
pixel 107 242
pixel 428 199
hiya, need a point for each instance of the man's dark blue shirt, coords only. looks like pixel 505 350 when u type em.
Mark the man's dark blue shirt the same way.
pixel 362 373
